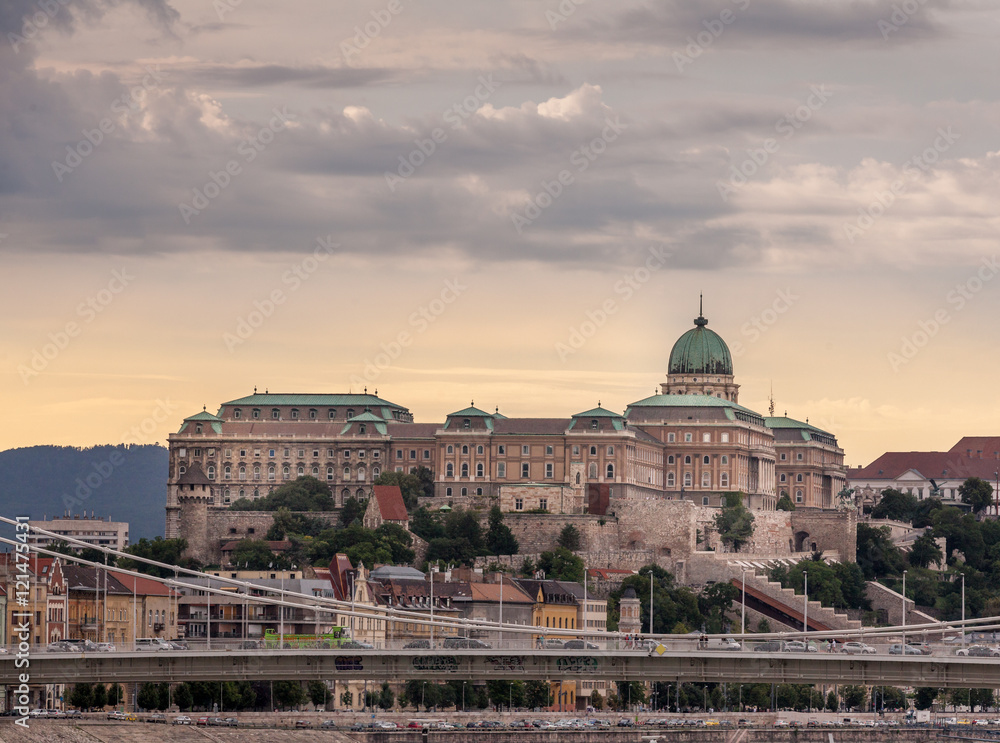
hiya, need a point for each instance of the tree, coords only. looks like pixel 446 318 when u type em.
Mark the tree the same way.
pixel 426 477
pixel 319 693
pixel 499 538
pixel 100 698
pixel 924 551
pixel 631 693
pixel 672 605
pixel 288 694
pixel 149 696
pixel 386 699
pixel 832 703
pixel 353 510
pixel 288 523
pixel 854 697
pixel 302 494
pixel 561 565
pixel 160 550
pixel 569 538
pixel 596 700
pixel 538 694
pixel 977 493
pixel 409 486
pixel 255 554
pixel 924 696
pixel 116 694
pixel 734 523
pixel 714 601
pixel 895 505
pixel 426 525
pixel 347 699
pixel 784 503
pixel 183 697
pixel 82 696
pixel 877 556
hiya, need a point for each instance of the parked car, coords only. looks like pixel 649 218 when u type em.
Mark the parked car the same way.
pixel 303 724
pixel 182 720
pixel 978 651
pixel 202 721
pixel 800 646
pixel 465 643
pixel 770 646
pixel 418 644
pixel 80 646
pixel 857 648
pixel 152 643
pixel 157 717
pixel 106 647
pixel 59 646
pixel 356 645
pixel 580 645
pixel 899 649
pixel 328 725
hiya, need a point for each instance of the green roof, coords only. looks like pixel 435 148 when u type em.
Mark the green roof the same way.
pixel 786 422
pixel 617 421
pixel 203 416
pixel 471 412
pixel 367 417
pixel 700 351
pixel 313 399
pixel 732 409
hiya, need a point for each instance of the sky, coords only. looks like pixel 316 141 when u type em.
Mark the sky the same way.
pixel 511 202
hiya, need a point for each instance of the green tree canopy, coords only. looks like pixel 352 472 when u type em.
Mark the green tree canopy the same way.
pixel 876 554
pixel 925 550
pixel 784 503
pixel 895 505
pixel 734 522
pixel 569 538
pixel 302 494
pixel 353 510
pixel 977 493
pixel 500 539
pixel 255 554
pixel 561 564
pixel 161 550
pixel 672 604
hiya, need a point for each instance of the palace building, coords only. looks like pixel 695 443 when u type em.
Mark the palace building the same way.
pixel 692 441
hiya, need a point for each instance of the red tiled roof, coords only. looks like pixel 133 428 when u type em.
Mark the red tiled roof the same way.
pixel 953 464
pixel 390 503
pixel 141 586
pixel 402 431
pixel 492 592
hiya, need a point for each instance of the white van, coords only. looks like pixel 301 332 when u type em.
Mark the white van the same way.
pixel 151 643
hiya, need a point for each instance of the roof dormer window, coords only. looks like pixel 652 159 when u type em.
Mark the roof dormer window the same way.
pixel 237 413
pixel 295 413
pixel 466 423
pixel 594 424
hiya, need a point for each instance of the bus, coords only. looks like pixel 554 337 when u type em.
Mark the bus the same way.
pixel 336 637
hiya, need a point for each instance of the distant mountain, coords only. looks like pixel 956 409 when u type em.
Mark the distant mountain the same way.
pixel 127 483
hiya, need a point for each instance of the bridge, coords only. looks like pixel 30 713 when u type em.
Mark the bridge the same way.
pixel 488 664
pixel 602 656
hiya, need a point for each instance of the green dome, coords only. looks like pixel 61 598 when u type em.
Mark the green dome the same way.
pixel 700 351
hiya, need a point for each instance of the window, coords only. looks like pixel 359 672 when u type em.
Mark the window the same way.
pixel 295 413
pixel 361 474
pixel 376 471
pixel 256 472
pixel 329 473
pixel 687 479
pixel 362 429
pixel 543 503
pixel 450 449
pixel 548 470
pixel 798 496
pixel 593 451
pixel 706 437
pixel 687 459
pixel 287 451
pixel 783 477
pixel 671 438
pixel 670 459
pixel 286 473
pixel 302 452
pixel 479 449
pixel 784 456
pixel 347 473
pixel 548 450
pixel 725 459
pixel 525 450
pixel 670 479
pixel 479 469
pixel 611 451
pixel 525 470
pixel 350 413
pixel 724 438
pixel 243 473
pixel 501 450
pixel 592 471
pixel 256 414
pixel 312 414
pixel 427 453
pixel 300 471
pixel 237 413
pixel 211 472
pixel 798 456
pixel 519 506
pixel 704 500
pixel 687 438
pixel 479 491
pixel 798 478
pixel 447 491
pixel 576 450
pixel 465 469
pixel 361 452
pixel 610 471
pixel 347 453
pixel 724 480
pixel 270 472
pixel 243 453
pixel 399 453
pixel 465 448
pixel 705 460
pixel 331 413
pixel 706 479
pixel 449 470
pixel 501 469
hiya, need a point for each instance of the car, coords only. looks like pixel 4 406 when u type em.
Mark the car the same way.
pixel 386 725
pixel 580 645
pixel 356 645
pixel 216 722
pixel 231 722
pixel 923 647
pixel 857 648
pixel 800 646
pixel 770 646
pixel 417 644
pixel 978 651
pixel 899 649
pixel 626 723
pixel 80 646
pixel 201 721
pixel 152 643
pixel 781 723
pixel 157 717
pixel 74 713
pixel 176 645
pixel 182 720
pixel 302 724
pixel 328 725
pixel 106 647
pixel 250 645
pixel 59 646
pixel 465 643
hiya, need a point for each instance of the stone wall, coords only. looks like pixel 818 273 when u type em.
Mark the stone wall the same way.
pixel 206 529
pixel 540 532
pixel 829 529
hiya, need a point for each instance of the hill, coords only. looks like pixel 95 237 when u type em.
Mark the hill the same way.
pixel 125 482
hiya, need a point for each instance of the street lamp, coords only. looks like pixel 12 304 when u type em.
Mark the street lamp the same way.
pixel 805 613
pixel 904 613
pixel 463 696
pixel 743 608
pixel 963 610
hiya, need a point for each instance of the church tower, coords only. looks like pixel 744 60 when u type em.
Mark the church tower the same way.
pixel 700 364
pixel 630 620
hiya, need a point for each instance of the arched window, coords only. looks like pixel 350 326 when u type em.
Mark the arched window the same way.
pixel 211 472
pixel 610 471
pixel 360 493
pixel 237 413
pixel 724 480
pixel 705 460
pixel 577 478
pixel 687 479
pixel 347 473
pixel 479 469
pixel 725 459
pixel 315 471
pixel 256 413
pixel 450 449
pixel 329 473
pixel 312 414
pixel 243 472
pixel 300 471
pixel 798 477
pixel 465 448
pixel 783 477
pixel 670 479
pixel 270 472
pixel 465 491
pixel 331 413
pixel 376 472
pixel 362 428
pixel 465 469
pixel 275 413
pixel 286 473
pixel 449 470
pixel 670 459
pixel 479 449
pixel 361 474
pixel 687 459
pixel 592 471
pixel 479 491
pixel 344 494
pixel 447 491
pixel 798 496
pixel 593 451
pixel 256 472
pixel 706 479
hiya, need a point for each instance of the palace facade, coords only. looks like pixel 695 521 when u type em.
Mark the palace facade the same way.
pixel 691 441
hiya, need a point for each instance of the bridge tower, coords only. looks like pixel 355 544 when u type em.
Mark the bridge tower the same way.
pixel 630 621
